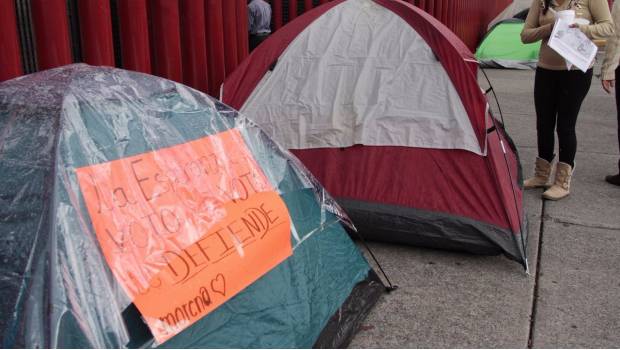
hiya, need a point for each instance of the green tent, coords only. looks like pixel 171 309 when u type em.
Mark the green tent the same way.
pixel 502 47
pixel 121 193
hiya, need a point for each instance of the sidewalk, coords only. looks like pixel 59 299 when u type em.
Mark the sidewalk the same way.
pixel 572 296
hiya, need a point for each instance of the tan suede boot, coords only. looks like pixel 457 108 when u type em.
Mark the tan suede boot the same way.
pixel 541 175
pixel 561 187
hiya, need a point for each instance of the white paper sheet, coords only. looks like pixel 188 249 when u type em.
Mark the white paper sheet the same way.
pixel 573 45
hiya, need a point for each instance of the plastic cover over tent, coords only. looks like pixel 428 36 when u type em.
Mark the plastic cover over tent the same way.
pixel 137 212
pixel 502 47
pixel 381 102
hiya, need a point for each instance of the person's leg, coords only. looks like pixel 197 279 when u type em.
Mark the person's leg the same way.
pixel 262 38
pixel 545 102
pixel 615 179
pixel 546 89
pixel 575 87
pixel 573 92
pixel 254 41
pixel 618 108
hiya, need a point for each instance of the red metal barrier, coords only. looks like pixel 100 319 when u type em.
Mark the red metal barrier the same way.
pixel 243 45
pixel 194 43
pixel 96 32
pixel 229 10
pixel 444 13
pixel 166 39
pixel 51 29
pixel 10 58
pixel 422 5
pixel 276 10
pixel 451 17
pixel 134 35
pixel 438 9
pixel 292 10
pixel 469 18
pixel 215 49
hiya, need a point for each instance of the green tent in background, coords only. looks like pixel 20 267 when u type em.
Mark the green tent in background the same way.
pixel 502 47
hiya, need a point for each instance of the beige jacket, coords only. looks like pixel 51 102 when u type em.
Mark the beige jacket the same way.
pixel 539 26
pixel 612 52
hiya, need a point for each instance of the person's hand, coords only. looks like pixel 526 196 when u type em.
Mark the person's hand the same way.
pixel 608 85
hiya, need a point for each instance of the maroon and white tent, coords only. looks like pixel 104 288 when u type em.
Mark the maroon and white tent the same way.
pixel 381 102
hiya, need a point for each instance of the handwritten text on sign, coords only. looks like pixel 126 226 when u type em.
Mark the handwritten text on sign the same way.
pixel 187 227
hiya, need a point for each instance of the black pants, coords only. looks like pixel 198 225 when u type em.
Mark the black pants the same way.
pixel 256 39
pixel 618 108
pixel 558 96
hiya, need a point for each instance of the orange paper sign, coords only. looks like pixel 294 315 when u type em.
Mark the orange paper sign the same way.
pixel 185 228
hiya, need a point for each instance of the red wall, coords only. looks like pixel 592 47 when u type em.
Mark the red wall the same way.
pixel 195 42
pixel 467 18
pixel 10 58
pixel 173 39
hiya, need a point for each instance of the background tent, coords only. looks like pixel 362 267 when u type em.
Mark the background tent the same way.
pixel 231 220
pixel 502 47
pixel 522 15
pixel 517 9
pixel 381 102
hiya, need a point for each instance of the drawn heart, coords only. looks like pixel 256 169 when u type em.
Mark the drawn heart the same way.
pixel 218 284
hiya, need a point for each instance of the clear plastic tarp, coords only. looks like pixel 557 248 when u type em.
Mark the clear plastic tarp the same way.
pixel 132 207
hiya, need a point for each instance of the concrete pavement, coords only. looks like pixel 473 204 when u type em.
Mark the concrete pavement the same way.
pixel 572 296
